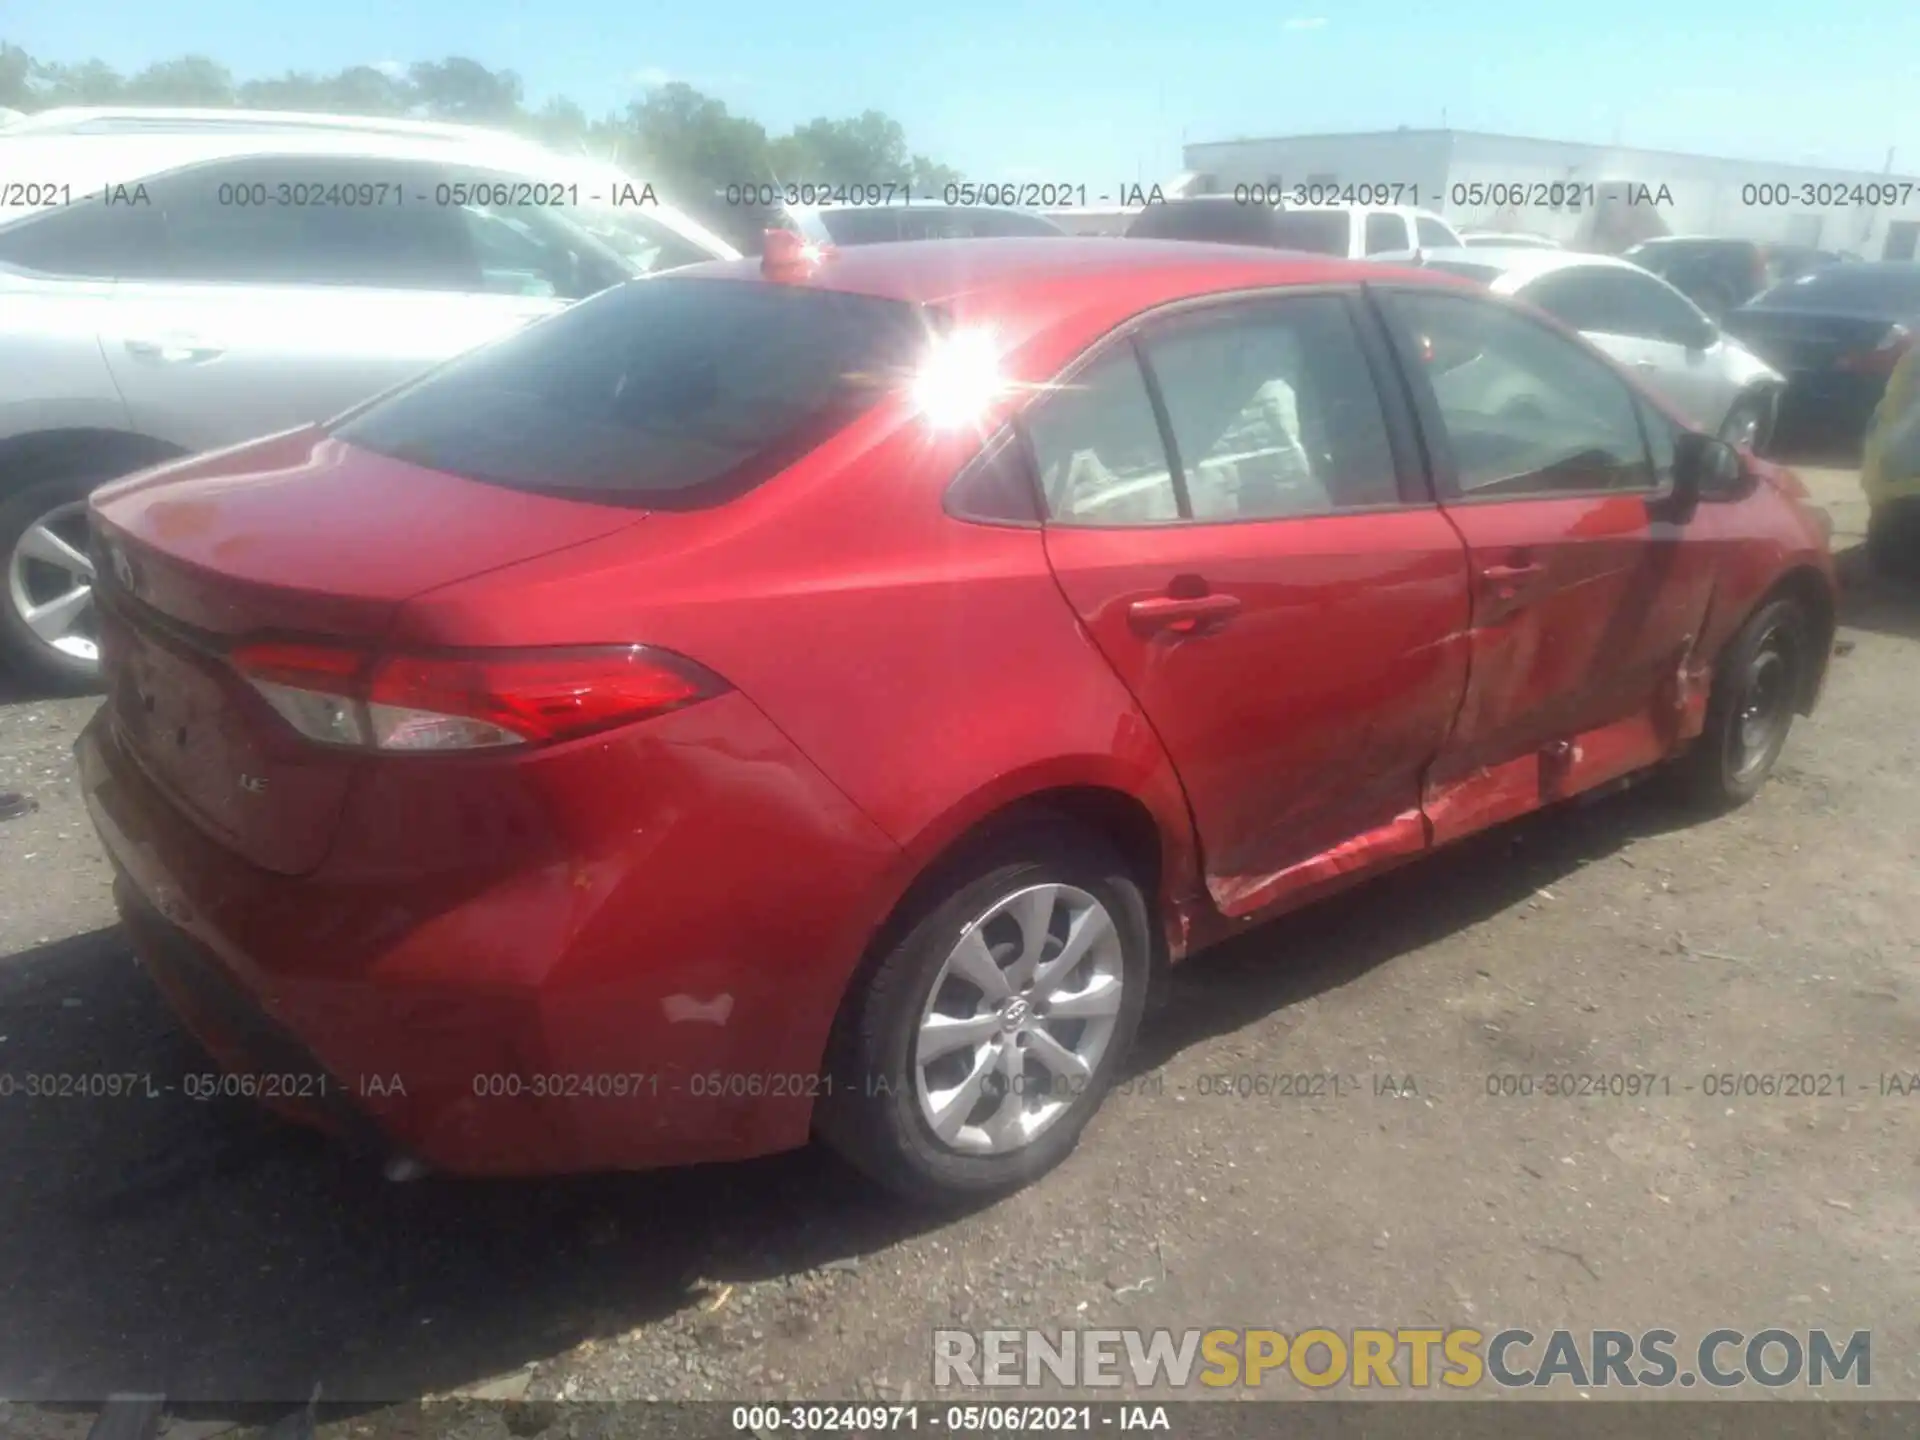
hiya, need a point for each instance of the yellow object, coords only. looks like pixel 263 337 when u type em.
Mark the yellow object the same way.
pixel 1890 460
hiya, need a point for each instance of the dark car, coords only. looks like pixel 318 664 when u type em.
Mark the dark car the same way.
pixel 1836 334
pixel 1718 274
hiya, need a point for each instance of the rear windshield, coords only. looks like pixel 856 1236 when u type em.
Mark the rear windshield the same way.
pixel 1891 290
pixel 670 393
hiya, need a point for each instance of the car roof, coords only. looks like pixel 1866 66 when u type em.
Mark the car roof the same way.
pixel 122 120
pixel 88 162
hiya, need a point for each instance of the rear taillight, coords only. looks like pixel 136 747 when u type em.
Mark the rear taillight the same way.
pixel 467 699
pixel 1882 358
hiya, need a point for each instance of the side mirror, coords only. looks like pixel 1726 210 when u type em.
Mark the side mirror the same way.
pixel 1708 333
pixel 1702 465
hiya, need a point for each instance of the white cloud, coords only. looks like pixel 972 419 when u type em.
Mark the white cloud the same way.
pixel 1307 22
pixel 651 76
pixel 392 69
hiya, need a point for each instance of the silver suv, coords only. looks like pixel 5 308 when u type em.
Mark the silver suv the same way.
pixel 178 281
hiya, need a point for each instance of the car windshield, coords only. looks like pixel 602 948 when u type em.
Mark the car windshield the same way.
pixel 1892 289
pixel 671 393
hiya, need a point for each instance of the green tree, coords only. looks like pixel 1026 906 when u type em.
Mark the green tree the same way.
pixel 191 80
pixel 464 90
pixel 690 141
pixel 687 143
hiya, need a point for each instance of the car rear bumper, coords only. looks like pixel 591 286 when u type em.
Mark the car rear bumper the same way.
pixel 581 1011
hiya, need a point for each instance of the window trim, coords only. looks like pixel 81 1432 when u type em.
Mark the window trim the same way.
pixel 1414 480
pixel 1439 449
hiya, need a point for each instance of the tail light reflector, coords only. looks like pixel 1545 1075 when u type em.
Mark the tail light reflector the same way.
pixel 1882 359
pixel 469 699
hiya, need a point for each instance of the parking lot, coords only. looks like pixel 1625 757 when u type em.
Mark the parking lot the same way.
pixel 203 1251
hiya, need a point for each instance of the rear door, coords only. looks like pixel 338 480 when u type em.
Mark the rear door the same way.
pixel 1586 600
pixel 1235 515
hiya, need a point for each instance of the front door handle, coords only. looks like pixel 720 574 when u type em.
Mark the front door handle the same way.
pixel 1507 581
pixel 175 350
pixel 1182 614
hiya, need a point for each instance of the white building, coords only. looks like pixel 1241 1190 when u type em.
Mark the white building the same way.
pixel 1601 196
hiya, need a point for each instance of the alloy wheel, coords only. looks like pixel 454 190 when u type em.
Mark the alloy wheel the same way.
pixel 50 583
pixel 1018 1018
pixel 1765 707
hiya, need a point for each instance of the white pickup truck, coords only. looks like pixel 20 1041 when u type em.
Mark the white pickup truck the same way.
pixel 1353 231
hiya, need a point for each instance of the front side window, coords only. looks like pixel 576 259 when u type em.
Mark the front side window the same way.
pixel 1273 411
pixel 1099 450
pixel 672 393
pixel 1525 411
pixel 81 242
pixel 1432 234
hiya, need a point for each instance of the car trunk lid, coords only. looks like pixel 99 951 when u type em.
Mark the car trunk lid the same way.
pixel 299 534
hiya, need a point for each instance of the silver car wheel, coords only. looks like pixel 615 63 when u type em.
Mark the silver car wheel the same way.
pixel 1742 427
pixel 50 583
pixel 1018 1018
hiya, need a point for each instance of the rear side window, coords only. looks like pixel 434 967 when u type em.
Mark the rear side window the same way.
pixel 671 393
pixel 87 241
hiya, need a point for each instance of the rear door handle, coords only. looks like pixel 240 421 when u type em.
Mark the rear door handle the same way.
pixel 1182 614
pixel 1506 581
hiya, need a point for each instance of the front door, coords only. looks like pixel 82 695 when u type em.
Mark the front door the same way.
pixel 1585 604
pixel 1232 521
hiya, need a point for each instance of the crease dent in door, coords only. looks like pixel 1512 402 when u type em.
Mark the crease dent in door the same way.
pixel 1401 838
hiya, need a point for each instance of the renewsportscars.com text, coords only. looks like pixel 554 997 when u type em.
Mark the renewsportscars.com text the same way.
pixel 1415 1358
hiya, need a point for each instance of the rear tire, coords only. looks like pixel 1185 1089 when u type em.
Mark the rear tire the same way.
pixel 1746 423
pixel 1757 689
pixel 26 582
pixel 918 1039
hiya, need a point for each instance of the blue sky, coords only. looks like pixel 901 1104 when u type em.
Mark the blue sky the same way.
pixel 1103 91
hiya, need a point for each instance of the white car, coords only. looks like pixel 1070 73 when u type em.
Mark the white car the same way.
pixel 1641 321
pixel 1506 240
pixel 1353 231
pixel 175 281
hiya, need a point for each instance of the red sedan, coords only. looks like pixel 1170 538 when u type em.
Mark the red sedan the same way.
pixel 817 698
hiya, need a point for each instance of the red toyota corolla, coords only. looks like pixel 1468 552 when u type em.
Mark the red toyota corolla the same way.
pixel 817 699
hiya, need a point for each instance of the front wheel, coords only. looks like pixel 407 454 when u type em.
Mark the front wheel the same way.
pixel 1757 689
pixel 1746 423
pixel 969 1060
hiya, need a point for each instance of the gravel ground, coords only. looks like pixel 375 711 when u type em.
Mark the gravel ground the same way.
pixel 211 1254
